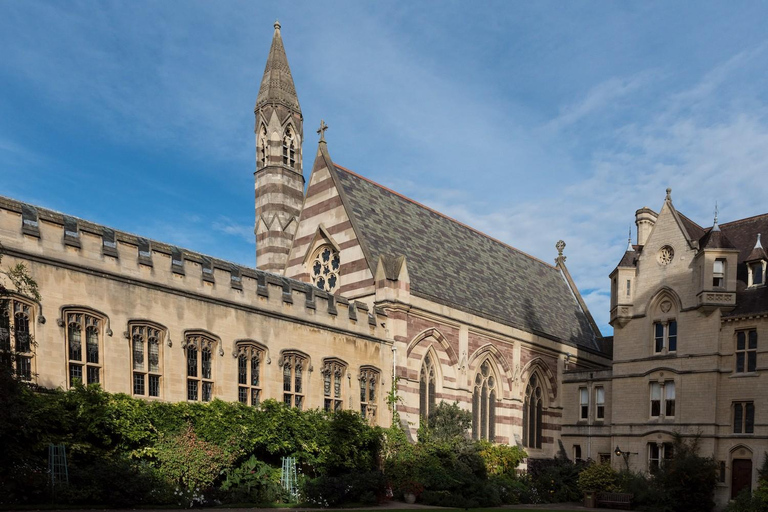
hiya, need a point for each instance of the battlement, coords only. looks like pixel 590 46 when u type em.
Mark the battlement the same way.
pixel 37 234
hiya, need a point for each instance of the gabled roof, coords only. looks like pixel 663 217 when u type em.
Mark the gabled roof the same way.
pixel 453 264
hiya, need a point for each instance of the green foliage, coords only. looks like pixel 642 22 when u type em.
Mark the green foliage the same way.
pixel 688 480
pixel 359 488
pixel 254 482
pixel 598 478
pixel 501 459
pixel 448 423
pixel 190 462
pixel 554 480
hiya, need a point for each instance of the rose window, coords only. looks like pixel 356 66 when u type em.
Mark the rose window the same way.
pixel 324 268
pixel 666 254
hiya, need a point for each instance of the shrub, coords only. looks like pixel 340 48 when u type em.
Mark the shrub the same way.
pixel 367 488
pixel 598 477
pixel 191 463
pixel 501 459
pixel 253 482
pixel 554 480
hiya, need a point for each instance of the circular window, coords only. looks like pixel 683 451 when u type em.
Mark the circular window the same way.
pixel 666 254
pixel 324 268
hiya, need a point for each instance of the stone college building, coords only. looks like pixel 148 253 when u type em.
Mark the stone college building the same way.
pixel 357 287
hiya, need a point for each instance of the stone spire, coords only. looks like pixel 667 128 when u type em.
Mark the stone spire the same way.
pixel 277 84
pixel 279 177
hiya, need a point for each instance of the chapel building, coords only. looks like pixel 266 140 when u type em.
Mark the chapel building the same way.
pixel 689 308
pixel 356 288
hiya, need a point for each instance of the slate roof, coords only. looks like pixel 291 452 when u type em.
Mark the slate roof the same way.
pixel 455 265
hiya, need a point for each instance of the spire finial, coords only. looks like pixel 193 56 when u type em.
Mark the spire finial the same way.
pixel 321 130
pixel 629 240
pixel 277 24
pixel 669 194
pixel 715 227
pixel 560 245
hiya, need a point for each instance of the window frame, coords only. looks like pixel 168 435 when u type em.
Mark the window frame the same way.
pixel 583 404
pixel 333 372
pixel 369 379
pixel 746 357
pixel 743 414
pixel 484 397
pixel 295 362
pixel 19 359
pixel 664 403
pixel 250 391
pixel 321 272
pixel 533 412
pixel 427 387
pixel 599 403
pixel 665 342
pixel 202 343
pixel 144 330
pixel 87 320
pixel 719 277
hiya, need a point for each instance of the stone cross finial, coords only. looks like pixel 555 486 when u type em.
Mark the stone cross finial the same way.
pixel 560 245
pixel 321 130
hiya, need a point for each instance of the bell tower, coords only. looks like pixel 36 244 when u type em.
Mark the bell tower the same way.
pixel 278 177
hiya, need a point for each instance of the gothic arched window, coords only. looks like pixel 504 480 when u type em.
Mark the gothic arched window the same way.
pixel 532 408
pixel 82 326
pixel 16 346
pixel 249 356
pixel 199 348
pixel 324 268
pixel 484 404
pixel 289 148
pixel 427 388
pixel 333 371
pixel 293 364
pixel 146 341
pixel 369 377
pixel 262 147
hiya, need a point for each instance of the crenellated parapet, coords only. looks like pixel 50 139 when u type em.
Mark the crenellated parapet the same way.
pixel 39 235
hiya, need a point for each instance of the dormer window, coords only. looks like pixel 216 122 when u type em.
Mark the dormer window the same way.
pixel 756 263
pixel 756 273
pixel 718 273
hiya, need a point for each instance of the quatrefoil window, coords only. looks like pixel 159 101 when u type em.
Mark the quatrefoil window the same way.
pixel 324 268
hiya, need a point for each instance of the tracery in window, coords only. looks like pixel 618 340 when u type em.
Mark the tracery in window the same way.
pixel 484 404
pixel 146 343
pixel 369 377
pixel 746 351
pixel 84 361
pixel 249 357
pixel 16 345
pixel 199 349
pixel 293 364
pixel 665 255
pixel 426 388
pixel 289 148
pixel 532 413
pixel 324 268
pixel 333 371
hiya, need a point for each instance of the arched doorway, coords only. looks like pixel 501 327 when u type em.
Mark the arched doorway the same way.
pixel 741 476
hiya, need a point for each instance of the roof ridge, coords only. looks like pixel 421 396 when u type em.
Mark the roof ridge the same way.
pixel 443 215
pixel 742 220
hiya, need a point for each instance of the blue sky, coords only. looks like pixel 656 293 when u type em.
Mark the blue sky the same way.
pixel 531 121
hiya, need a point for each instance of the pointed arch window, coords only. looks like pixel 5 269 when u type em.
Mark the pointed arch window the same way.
pixel 333 371
pixel 289 148
pixel 199 351
pixel 427 388
pixel 293 364
pixel 16 345
pixel 532 413
pixel 369 377
pixel 249 357
pixel 146 343
pixel 484 404
pixel 324 268
pixel 263 147
pixel 84 333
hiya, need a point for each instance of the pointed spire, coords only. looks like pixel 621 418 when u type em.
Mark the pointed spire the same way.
pixel 277 84
pixel 629 241
pixel 758 245
pixel 715 227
